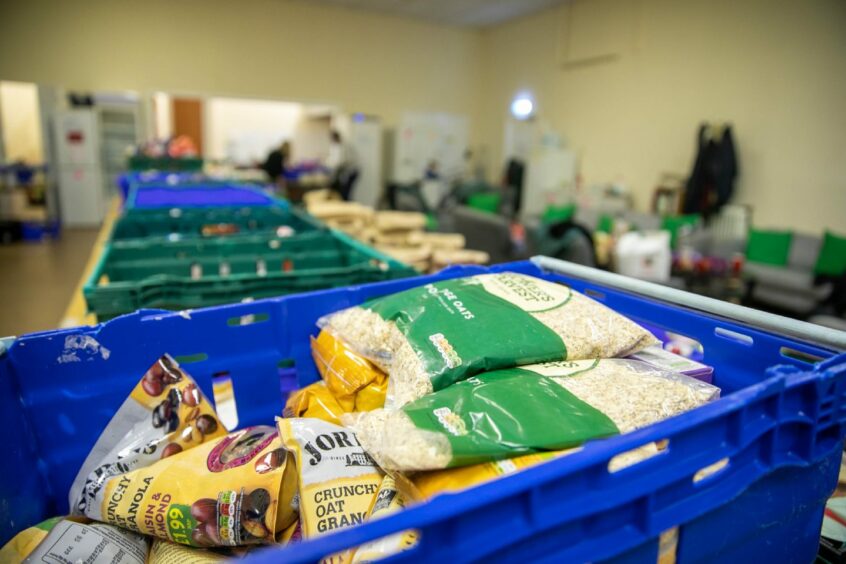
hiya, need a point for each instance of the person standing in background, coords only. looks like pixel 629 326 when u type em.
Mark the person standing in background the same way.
pixel 276 163
pixel 343 165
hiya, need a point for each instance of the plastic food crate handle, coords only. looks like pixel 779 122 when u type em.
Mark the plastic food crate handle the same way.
pixel 808 332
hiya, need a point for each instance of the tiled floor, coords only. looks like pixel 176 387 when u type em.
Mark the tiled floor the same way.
pixel 37 280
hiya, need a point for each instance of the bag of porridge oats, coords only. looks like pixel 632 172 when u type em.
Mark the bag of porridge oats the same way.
pixel 432 336
pixel 536 408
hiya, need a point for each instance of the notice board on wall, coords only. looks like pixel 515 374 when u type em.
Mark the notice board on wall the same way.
pixel 425 137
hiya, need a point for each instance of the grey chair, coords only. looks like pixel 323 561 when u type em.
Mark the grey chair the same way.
pixel 790 287
pixel 483 232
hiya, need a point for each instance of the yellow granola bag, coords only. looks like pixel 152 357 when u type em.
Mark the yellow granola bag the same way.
pixel 230 492
pixel 337 478
pixel 165 414
pixel 165 467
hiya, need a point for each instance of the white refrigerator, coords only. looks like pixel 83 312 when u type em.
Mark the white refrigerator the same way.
pixel 365 136
pixel 83 196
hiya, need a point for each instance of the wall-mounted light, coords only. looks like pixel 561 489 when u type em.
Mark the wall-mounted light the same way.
pixel 522 107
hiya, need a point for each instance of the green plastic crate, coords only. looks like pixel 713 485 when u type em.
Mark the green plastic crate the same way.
pixel 198 273
pixel 177 223
pixel 186 164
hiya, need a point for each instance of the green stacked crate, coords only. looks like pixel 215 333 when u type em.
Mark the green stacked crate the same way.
pixel 190 257
pixel 178 223
pixel 200 272
pixel 183 164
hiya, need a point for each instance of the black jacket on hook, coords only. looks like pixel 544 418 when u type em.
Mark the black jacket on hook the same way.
pixel 711 184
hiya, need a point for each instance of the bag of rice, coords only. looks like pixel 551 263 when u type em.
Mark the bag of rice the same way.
pixel 388 500
pixel 432 336
pixel 516 411
pixel 337 478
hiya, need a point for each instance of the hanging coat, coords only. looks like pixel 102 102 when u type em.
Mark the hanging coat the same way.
pixel 711 183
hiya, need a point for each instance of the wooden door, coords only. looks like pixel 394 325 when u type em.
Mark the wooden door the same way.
pixel 188 120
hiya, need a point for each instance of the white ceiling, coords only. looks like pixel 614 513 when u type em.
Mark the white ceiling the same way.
pixel 472 13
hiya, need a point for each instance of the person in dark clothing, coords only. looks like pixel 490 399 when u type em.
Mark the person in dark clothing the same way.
pixel 276 162
pixel 711 184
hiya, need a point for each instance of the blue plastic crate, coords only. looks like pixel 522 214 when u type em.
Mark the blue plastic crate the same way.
pixel 781 430
pixel 155 195
pixel 125 181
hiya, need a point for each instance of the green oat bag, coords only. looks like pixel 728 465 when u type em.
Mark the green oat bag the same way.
pixel 516 411
pixel 430 337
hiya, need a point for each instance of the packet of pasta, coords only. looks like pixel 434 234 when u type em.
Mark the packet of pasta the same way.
pixel 356 383
pixel 337 478
pixel 388 500
pixel 315 401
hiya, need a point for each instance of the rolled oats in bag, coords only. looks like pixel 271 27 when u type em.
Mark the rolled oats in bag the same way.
pixel 337 478
pixel 511 412
pixel 432 336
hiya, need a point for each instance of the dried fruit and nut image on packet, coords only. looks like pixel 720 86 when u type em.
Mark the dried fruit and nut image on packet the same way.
pixel 164 466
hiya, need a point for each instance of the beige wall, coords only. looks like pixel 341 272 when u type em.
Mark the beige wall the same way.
pixel 776 70
pixel 276 49
pixel 21 122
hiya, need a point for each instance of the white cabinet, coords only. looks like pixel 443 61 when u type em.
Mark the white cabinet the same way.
pixel 82 190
